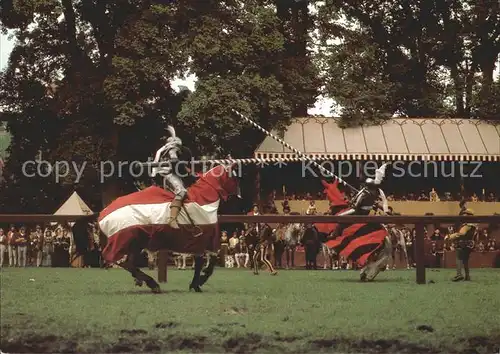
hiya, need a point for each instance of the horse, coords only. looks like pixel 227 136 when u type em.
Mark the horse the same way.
pixel 328 257
pixel 293 235
pixel 398 241
pixel 138 221
pixel 368 245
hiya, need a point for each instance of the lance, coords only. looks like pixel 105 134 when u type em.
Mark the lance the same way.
pixel 258 161
pixel 298 152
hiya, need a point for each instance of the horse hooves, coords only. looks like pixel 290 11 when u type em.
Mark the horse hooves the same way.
pixel 156 290
pixel 255 273
pixel 274 273
pixel 138 282
pixel 196 288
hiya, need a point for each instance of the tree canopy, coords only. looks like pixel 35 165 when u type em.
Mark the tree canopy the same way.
pixel 91 81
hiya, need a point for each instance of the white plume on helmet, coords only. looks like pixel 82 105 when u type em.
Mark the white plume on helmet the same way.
pixel 172 142
pixel 379 175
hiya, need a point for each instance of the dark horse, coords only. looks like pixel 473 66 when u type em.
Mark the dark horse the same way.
pixel 138 221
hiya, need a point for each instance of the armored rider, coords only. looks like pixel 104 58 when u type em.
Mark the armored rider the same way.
pixel 366 199
pixel 464 240
pixel 169 153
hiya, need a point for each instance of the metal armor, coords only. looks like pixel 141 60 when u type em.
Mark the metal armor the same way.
pixel 171 181
pixel 362 203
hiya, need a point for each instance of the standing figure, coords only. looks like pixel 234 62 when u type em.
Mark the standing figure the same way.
pixel 169 154
pixel 263 246
pixel 12 236
pixel 37 245
pixel 22 247
pixel 279 249
pixel 47 248
pixel 3 246
pixel 224 248
pixel 311 243
pixel 464 244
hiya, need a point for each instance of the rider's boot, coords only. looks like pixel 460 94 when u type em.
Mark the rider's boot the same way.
pixel 175 208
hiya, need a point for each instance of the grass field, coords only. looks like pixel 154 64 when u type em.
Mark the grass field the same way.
pixel 94 310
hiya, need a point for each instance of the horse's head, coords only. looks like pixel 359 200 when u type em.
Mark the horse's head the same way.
pixel 293 233
pixel 334 195
pixel 224 179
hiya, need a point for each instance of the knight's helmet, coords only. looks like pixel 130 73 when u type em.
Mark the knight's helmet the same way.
pixel 158 173
pixel 374 183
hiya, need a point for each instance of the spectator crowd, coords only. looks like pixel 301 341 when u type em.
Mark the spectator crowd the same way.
pixel 424 196
pixel 50 246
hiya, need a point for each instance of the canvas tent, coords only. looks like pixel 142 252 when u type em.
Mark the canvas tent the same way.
pixel 74 206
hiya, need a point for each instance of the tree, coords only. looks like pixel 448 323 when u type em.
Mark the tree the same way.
pixel 425 57
pixel 237 55
pixel 90 71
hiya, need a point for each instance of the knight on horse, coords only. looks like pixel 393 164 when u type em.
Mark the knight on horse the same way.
pixel 169 154
pixel 367 198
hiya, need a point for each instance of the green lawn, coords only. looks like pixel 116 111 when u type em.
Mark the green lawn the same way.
pixel 94 310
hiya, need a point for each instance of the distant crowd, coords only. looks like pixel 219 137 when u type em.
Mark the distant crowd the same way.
pixel 50 246
pixel 423 196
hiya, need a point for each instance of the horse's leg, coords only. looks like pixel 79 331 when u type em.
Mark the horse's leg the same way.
pixel 325 255
pixel 209 269
pixel 139 276
pixel 184 260
pixel 330 257
pixel 393 257
pixel 198 265
pixel 287 256
pixel 263 258
pixel 405 255
pixel 292 256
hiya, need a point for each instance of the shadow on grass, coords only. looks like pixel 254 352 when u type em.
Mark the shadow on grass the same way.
pixel 149 292
pixel 377 280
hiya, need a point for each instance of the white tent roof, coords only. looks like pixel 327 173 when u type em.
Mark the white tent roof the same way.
pixel 74 206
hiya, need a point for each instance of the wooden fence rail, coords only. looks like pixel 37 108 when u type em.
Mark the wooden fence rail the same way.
pixel 418 221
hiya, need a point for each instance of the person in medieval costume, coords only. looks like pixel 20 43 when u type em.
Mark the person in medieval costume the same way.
pixel 366 199
pixel 464 244
pixel 169 153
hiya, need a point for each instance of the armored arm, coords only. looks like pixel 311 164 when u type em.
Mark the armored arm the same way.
pixel 173 147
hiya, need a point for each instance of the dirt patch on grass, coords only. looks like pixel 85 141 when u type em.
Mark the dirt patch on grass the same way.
pixel 249 343
pixel 38 344
pixel 471 346
pixel 134 341
pixel 369 346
